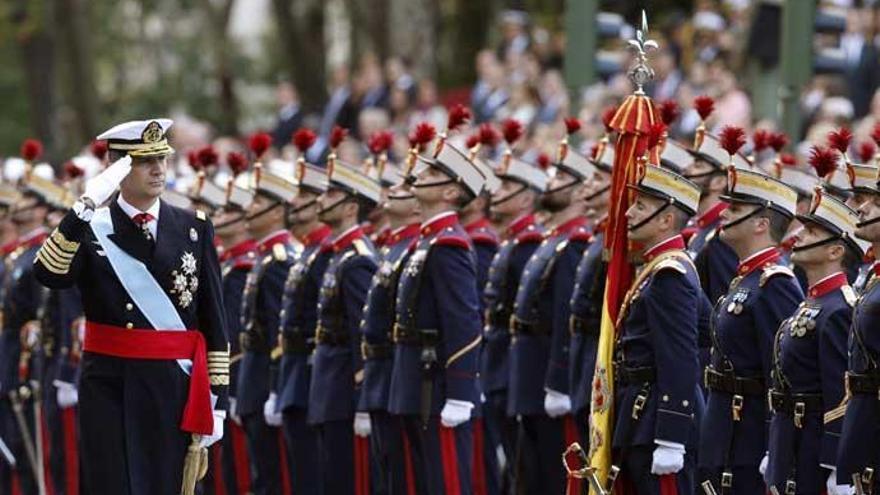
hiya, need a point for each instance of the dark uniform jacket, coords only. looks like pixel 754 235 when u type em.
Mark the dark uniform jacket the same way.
pixel 716 261
pixel 235 263
pixel 485 242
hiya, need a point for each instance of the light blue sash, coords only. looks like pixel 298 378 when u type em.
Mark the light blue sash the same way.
pixel 137 280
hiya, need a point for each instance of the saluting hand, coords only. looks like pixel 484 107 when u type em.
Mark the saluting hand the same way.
pixel 100 187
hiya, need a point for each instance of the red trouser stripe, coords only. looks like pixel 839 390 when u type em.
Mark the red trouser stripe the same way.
pixel 71 455
pixel 575 485
pixel 479 473
pixel 408 465
pixel 286 483
pixel 217 469
pixel 240 459
pixel 668 484
pixel 449 457
pixel 47 470
pixel 162 344
pixel 361 465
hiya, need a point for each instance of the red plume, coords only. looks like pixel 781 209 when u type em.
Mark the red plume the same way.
pixel 458 115
pixel 99 149
pixel 840 139
pixel 31 149
pixel 732 139
pixel 237 162
pixel 669 112
pixel 423 134
pixel 72 170
pixel 303 139
pixel 823 160
pixel 259 143
pixel 866 151
pixel 704 105
pixel 512 130
pixel 488 135
pixel 472 140
pixel 761 139
pixel 572 125
pixel 380 141
pixel 192 157
pixel 788 160
pixel 655 134
pixel 607 117
pixel 778 141
pixel 544 161
pixel 207 157
pixel 337 136
pixel 875 133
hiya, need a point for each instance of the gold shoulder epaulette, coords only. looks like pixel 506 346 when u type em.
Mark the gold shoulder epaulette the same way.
pixel 201 215
pixel 772 271
pixel 849 294
pixel 671 264
pixel 279 252
pixel 561 246
pixel 267 259
pixel 361 247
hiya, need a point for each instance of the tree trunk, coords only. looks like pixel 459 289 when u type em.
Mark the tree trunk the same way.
pixel 301 31
pixel 218 29
pixel 37 48
pixel 370 28
pixel 414 34
pixel 73 23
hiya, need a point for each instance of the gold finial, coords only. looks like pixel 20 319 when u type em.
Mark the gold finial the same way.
pixel 640 72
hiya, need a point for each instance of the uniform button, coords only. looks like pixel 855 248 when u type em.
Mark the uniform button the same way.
pixel 129 307
pixel 685 403
pixel 665 398
pixel 129 325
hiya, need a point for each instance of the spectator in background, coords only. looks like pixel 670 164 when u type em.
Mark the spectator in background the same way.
pixel 862 67
pixel 372 83
pixel 522 105
pixel 493 95
pixel 667 76
pixel 428 107
pixel 290 114
pixel 397 72
pixel 515 38
pixel 554 98
pixel 400 106
pixel 339 110
pixel 731 102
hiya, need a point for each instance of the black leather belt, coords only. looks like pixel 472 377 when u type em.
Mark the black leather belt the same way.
pixel 865 384
pixel 252 341
pixel 634 376
pixel 414 336
pixel 582 326
pixel 732 384
pixel 791 404
pixel 376 351
pixel 518 326
pixel 498 319
pixel 324 336
pixel 296 343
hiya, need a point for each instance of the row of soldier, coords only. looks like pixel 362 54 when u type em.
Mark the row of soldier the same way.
pixel 454 352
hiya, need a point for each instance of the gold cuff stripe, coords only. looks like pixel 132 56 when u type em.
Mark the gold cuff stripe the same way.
pixel 61 255
pixel 62 242
pixel 50 265
pixel 834 414
pixel 218 367
pixel 60 263
pixel 464 350
pixel 224 359
pixel 277 352
pixel 220 380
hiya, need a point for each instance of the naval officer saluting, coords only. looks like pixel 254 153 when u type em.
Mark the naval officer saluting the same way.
pixel 156 359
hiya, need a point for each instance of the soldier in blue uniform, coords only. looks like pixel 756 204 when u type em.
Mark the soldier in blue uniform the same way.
pixel 539 390
pixel 261 306
pixel 857 458
pixel 586 302
pixel 386 445
pixel 810 357
pixel 337 371
pixel 513 205
pixel 862 178
pixel 23 304
pixel 155 354
pixel 657 400
pixel 437 333
pixel 733 435
pixel 482 234
pixel 238 259
pixel 299 317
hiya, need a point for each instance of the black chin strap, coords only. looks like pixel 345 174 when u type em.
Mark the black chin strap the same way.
pixel 334 205
pixel 264 211
pixel 400 197
pixel 241 218
pixel 434 184
pixel 870 221
pixel 563 187
pixel 509 196
pixel 827 240
pixel 708 173
pixel 742 219
pixel 597 193
pixel 650 217
pixel 302 207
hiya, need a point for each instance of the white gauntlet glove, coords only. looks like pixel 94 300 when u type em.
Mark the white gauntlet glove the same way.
pixel 100 187
pixel 455 412
pixel 362 427
pixel 556 404
pixel 834 489
pixel 215 436
pixel 668 458
pixel 66 394
pixel 270 413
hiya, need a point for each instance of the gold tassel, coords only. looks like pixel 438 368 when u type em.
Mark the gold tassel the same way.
pixel 195 466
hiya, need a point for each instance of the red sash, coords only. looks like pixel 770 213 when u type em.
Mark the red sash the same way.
pixel 162 344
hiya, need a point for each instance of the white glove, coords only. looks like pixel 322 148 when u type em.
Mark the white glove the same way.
pixel 455 412
pixel 217 434
pixel 668 458
pixel 834 489
pixel 233 411
pixel 100 187
pixel 66 394
pixel 556 404
pixel 270 413
pixel 762 468
pixel 362 427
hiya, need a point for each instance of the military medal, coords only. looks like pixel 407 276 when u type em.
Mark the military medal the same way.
pixel 184 281
pixel 804 321
pixel 193 235
pixel 735 306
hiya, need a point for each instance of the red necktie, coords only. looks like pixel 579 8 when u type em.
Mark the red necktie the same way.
pixel 141 220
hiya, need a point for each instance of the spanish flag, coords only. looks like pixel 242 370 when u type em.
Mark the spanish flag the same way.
pixel 631 123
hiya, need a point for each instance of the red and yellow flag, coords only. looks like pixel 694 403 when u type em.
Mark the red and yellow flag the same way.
pixel 631 123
